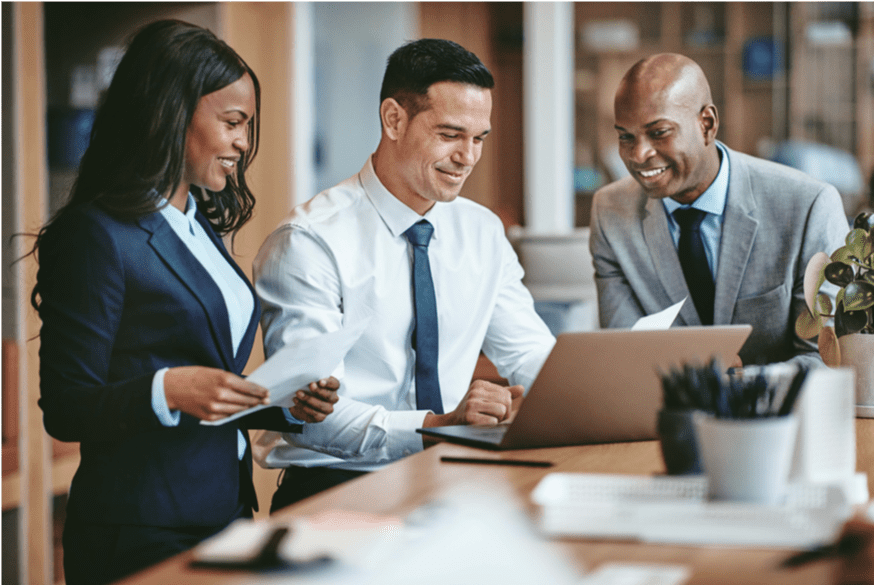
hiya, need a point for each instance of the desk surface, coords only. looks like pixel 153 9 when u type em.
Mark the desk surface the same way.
pixel 404 486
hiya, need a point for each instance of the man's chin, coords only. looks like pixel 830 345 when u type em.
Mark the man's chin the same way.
pixel 447 196
pixel 654 193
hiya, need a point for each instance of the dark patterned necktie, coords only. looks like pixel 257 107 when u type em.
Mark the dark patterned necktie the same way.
pixel 693 259
pixel 425 334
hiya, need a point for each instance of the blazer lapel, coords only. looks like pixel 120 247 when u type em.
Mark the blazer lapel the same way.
pixel 667 263
pixel 195 278
pixel 739 229
pixel 248 340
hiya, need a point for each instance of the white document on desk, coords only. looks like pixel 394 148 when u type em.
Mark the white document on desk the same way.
pixel 296 365
pixel 659 321
pixel 677 510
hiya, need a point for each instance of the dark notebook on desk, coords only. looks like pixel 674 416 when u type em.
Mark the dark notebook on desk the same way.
pixel 600 387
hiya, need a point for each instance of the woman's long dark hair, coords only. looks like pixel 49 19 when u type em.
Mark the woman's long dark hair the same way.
pixel 137 150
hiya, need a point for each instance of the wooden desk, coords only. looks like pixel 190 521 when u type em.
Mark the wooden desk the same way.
pixel 404 486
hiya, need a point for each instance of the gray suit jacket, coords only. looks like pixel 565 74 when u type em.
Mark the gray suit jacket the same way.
pixel 775 219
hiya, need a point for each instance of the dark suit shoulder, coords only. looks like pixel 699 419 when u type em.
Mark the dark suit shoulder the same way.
pixel 88 218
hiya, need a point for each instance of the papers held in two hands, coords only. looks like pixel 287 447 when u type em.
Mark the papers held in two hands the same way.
pixel 297 364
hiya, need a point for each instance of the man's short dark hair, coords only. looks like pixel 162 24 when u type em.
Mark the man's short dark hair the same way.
pixel 417 65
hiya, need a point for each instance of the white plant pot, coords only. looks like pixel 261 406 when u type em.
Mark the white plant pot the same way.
pixel 857 351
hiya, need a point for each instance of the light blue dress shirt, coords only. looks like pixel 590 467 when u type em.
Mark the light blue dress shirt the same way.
pixel 712 201
pixel 238 300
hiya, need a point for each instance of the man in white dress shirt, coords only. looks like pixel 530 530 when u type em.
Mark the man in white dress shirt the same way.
pixel 344 257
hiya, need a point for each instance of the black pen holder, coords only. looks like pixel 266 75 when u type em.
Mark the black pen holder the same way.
pixel 676 434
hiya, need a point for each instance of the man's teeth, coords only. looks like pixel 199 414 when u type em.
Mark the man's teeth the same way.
pixel 652 173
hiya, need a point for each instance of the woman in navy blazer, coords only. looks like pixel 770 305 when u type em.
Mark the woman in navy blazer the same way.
pixel 147 321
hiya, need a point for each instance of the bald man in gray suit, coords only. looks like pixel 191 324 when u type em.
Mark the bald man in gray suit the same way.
pixel 758 222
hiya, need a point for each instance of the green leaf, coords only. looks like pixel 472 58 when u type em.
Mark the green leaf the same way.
pixel 864 221
pixel 859 244
pixel 858 295
pixel 807 326
pixel 823 305
pixel 847 322
pixel 842 254
pixel 839 273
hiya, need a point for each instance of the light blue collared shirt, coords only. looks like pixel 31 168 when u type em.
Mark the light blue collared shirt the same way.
pixel 712 200
pixel 238 299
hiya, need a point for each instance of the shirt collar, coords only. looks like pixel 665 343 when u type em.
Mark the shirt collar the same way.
pixel 177 219
pixel 712 200
pixel 397 216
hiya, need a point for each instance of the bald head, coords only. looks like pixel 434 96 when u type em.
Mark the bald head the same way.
pixel 667 127
pixel 667 77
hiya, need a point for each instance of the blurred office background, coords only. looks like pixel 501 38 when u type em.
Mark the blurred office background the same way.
pixel 793 82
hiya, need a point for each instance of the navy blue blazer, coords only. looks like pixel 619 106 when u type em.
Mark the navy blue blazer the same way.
pixel 119 301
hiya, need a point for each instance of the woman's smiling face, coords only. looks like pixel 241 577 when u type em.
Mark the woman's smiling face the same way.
pixel 218 135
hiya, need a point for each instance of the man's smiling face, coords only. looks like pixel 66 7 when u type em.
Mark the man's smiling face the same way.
pixel 663 142
pixel 440 146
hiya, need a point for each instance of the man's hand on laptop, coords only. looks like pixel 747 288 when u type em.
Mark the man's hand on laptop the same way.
pixel 485 403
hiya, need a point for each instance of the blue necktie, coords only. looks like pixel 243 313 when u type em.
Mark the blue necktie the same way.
pixel 693 259
pixel 425 332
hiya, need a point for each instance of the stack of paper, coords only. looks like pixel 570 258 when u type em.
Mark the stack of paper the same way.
pixel 676 510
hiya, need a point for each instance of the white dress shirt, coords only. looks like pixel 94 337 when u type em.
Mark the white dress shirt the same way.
pixel 238 298
pixel 712 201
pixel 342 258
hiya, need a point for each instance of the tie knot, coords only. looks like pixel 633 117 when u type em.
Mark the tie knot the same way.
pixel 689 218
pixel 420 233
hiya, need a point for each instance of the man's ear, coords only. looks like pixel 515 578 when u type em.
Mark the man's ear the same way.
pixel 394 118
pixel 709 119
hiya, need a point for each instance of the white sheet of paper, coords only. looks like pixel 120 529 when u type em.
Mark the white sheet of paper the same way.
pixel 297 364
pixel 637 574
pixel 661 320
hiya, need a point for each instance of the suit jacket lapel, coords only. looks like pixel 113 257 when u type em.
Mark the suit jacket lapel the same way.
pixel 667 263
pixel 195 278
pixel 739 229
pixel 248 340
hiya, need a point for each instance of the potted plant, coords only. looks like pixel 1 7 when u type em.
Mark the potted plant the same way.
pixel 849 340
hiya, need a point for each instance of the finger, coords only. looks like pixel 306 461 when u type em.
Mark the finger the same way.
pixel 516 391
pixel 305 413
pixel 478 418
pixel 245 387
pixel 313 403
pixel 492 409
pixel 330 382
pixel 219 410
pixel 232 396
pixel 329 396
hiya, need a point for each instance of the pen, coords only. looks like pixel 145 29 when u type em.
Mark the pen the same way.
pixel 847 545
pixel 519 462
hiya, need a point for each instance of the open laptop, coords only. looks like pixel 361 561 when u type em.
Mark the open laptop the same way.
pixel 600 387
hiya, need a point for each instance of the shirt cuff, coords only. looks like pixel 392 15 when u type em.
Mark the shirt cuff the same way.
pixel 401 437
pixel 290 417
pixel 166 417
